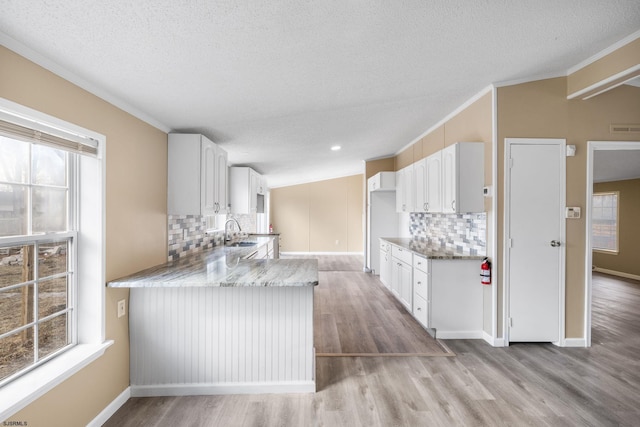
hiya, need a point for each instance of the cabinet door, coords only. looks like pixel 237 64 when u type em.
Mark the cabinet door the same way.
pixel 409 189
pixel 395 277
pixel 433 198
pixel 421 310
pixel 450 178
pixel 208 177
pixel 221 181
pixel 254 182
pixel 385 268
pixel 406 286
pixel 400 192
pixel 421 185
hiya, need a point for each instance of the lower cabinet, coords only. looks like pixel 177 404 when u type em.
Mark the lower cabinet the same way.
pixel 442 294
pixel 385 268
pixel 401 270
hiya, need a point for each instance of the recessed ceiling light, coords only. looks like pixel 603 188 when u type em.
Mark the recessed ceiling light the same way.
pixel 335 148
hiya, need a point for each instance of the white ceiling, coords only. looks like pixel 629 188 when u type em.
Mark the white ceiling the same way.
pixel 276 83
pixel 618 165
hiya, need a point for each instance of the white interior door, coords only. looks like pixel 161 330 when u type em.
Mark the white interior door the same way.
pixel 535 239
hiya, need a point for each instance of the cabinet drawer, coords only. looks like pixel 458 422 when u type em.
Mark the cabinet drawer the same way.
pixel 421 310
pixel 421 263
pixel 384 245
pixel 421 283
pixel 403 255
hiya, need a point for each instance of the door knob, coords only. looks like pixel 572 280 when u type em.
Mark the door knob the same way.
pixel 555 243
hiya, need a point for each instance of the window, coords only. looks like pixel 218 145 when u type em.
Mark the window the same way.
pixel 605 222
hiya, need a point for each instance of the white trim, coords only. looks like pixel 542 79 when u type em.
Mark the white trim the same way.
pixel 459 335
pixel 494 220
pixel 592 147
pixel 575 342
pixel 625 41
pixel 111 409
pixel 616 273
pixel 508 142
pixel 32 385
pixel 49 64
pixel 600 83
pixel 222 388
pixel 448 117
pixel 495 342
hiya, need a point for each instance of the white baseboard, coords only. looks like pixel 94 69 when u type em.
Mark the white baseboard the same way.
pixel 616 273
pixel 495 342
pixel 574 342
pixel 111 408
pixel 222 388
pixel 459 335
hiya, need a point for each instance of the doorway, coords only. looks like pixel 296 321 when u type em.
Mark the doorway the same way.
pixel 614 149
pixel 535 239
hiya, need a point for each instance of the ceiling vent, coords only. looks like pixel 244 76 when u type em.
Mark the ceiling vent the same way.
pixel 625 128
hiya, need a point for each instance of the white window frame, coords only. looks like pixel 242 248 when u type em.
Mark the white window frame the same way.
pixel 604 250
pixel 90 272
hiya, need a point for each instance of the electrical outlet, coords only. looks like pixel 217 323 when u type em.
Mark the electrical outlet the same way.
pixel 121 308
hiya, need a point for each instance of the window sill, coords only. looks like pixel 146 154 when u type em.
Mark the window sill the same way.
pixel 606 251
pixel 29 387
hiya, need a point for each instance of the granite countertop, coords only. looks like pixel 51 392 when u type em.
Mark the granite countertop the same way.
pixel 224 266
pixel 430 252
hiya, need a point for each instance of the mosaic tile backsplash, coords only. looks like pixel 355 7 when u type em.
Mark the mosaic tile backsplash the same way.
pixel 187 233
pixel 463 232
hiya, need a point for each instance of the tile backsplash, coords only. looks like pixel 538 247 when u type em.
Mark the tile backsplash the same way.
pixel 463 232
pixel 187 233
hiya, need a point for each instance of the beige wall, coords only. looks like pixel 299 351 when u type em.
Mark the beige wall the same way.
pixel 323 216
pixel 540 110
pixel 627 260
pixel 136 224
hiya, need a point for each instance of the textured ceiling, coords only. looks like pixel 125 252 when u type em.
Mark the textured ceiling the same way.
pixel 276 83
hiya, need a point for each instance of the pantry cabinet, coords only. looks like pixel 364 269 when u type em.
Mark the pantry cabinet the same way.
pixel 463 177
pixel 197 176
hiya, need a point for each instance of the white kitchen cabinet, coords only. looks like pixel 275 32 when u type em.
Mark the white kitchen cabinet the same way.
pixel 244 184
pixel 420 185
pixel 463 177
pixel 385 263
pixel 382 181
pixel 401 270
pixel 433 186
pixel 197 176
pixel 405 190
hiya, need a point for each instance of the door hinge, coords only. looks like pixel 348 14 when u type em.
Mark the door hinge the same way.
pixel 511 322
pixel 510 243
pixel 510 163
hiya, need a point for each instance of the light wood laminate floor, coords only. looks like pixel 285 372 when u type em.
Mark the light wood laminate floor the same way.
pixel 524 384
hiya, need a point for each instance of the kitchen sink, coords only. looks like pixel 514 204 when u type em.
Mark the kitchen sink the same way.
pixel 241 244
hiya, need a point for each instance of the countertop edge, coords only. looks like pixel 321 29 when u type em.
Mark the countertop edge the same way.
pixel 430 252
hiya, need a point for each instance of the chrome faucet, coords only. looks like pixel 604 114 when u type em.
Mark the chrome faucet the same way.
pixel 226 233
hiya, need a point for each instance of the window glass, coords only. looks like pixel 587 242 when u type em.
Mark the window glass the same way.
pixel 605 221
pixel 35 274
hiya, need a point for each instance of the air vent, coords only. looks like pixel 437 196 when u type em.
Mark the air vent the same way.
pixel 625 128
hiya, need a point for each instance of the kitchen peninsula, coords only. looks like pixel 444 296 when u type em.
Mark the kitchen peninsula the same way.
pixel 216 322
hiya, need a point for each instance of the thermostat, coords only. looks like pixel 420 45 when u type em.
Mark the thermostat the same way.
pixel 573 213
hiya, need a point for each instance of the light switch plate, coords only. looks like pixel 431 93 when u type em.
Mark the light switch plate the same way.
pixel 573 213
pixel 122 308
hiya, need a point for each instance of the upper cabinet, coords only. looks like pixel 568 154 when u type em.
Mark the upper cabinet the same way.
pixel 197 176
pixel 405 190
pixel 463 177
pixel 245 187
pixel 428 183
pixel 382 181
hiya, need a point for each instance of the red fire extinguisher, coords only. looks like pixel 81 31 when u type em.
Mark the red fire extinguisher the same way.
pixel 485 272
